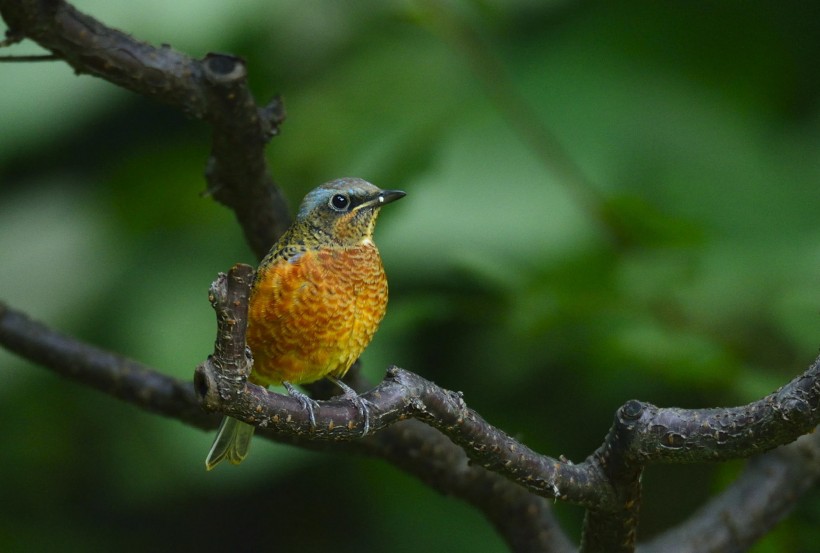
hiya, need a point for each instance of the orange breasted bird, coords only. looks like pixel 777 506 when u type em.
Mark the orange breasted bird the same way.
pixel 316 300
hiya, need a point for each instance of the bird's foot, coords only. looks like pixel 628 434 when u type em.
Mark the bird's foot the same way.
pixel 358 401
pixel 308 403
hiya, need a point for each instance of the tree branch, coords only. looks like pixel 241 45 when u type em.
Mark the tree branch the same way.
pixel 644 434
pixel 762 496
pixel 745 511
pixel 107 372
pixel 401 395
pixel 214 89
pixel 411 446
pixel 607 483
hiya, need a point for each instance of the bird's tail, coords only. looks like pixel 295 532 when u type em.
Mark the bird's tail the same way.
pixel 233 439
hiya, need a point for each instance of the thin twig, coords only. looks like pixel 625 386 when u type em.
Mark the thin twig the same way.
pixel 28 59
pixel 492 74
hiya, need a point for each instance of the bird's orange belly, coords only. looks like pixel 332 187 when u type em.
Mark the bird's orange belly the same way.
pixel 313 315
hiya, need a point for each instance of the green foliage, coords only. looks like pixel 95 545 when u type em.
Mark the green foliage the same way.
pixel 692 282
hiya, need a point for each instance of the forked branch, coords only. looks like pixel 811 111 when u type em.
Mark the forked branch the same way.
pixel 607 483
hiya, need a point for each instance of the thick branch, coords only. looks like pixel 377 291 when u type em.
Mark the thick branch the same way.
pixel 613 529
pixel 524 520
pixel 400 396
pixel 415 447
pixel 607 482
pixel 214 89
pixel 644 434
pixel 763 495
pixel 411 445
pixel 672 435
pixel 231 357
pixel 110 373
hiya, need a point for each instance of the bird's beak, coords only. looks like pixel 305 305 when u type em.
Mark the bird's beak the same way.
pixel 387 196
pixel 380 199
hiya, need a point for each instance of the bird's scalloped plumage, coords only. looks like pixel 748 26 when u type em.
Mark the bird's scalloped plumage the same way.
pixel 313 315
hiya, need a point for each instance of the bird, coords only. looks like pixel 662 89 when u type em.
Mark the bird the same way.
pixel 316 301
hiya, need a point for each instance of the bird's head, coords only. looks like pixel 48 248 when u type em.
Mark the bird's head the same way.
pixel 345 209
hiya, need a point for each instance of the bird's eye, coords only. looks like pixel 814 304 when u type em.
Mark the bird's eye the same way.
pixel 339 202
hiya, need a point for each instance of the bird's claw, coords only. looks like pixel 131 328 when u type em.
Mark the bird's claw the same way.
pixel 358 402
pixel 308 403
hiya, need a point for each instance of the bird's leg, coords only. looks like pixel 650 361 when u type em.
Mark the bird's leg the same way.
pixel 358 401
pixel 308 403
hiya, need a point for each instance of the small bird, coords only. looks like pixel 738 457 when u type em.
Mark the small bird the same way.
pixel 316 301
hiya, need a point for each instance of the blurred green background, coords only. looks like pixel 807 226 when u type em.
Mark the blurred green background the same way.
pixel 689 277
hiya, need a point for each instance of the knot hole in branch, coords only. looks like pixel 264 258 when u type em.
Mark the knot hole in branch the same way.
pixel 224 68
